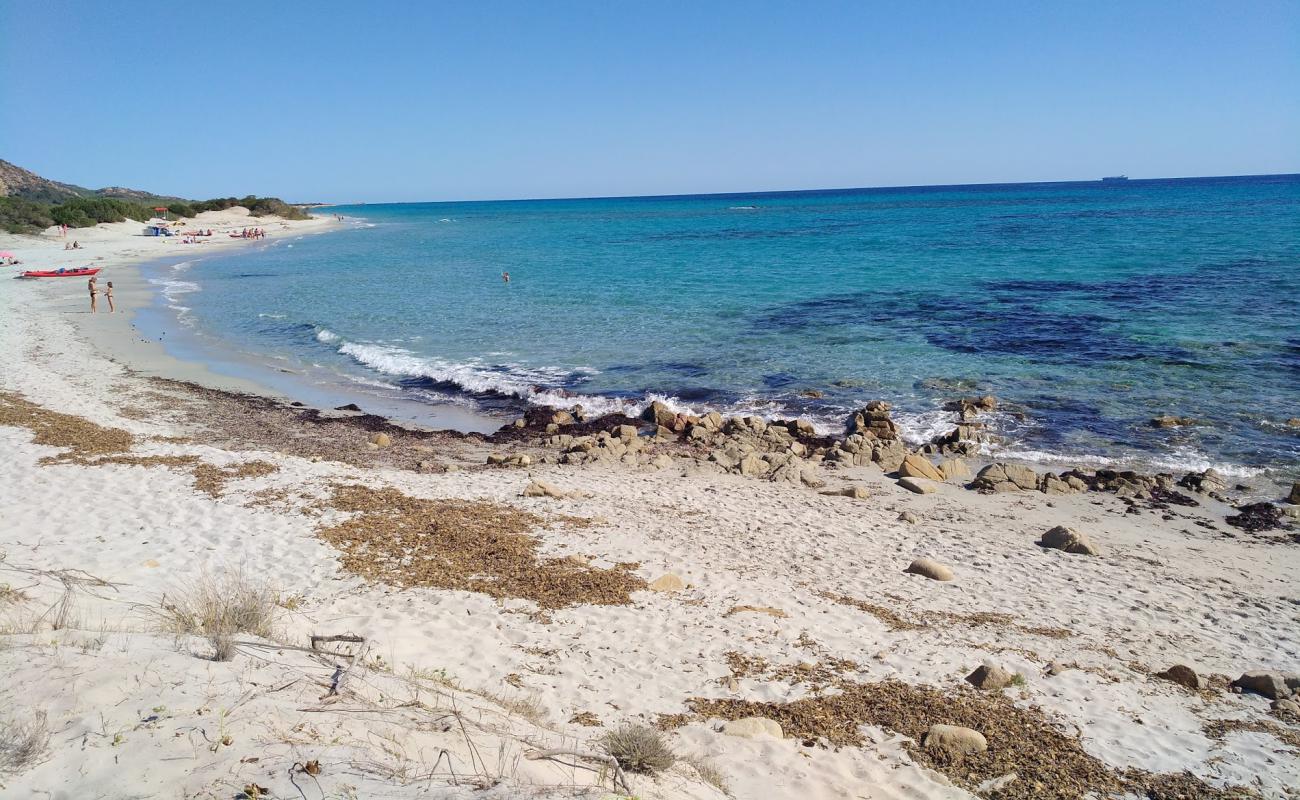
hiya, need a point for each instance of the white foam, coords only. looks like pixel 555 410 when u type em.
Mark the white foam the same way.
pixel 327 336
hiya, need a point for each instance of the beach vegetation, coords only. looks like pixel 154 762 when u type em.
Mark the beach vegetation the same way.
pixel 639 748
pixel 22 215
pixel 22 741
pixel 218 607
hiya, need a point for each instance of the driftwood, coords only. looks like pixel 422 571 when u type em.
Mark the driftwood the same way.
pixel 340 672
pixel 607 760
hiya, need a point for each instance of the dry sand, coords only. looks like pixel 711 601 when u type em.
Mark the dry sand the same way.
pixel 497 626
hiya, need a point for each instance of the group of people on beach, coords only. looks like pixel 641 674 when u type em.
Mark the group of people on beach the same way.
pixel 95 291
pixel 73 245
pixel 249 233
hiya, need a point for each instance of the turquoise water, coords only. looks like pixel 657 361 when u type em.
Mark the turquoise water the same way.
pixel 1087 308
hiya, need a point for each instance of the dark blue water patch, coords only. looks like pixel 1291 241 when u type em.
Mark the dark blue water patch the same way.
pixel 685 369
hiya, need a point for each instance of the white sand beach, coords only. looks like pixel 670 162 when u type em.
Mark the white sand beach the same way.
pixel 500 633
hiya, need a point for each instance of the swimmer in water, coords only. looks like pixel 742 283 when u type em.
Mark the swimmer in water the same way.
pixel 505 277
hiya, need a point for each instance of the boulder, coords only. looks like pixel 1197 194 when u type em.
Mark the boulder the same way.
pixel 628 432
pixel 929 568
pixel 1182 675
pixel 889 454
pixel 752 465
pixel 954 469
pixel 954 740
pixel 916 485
pixel 990 678
pixel 908 517
pixel 496 458
pixel 660 414
pixel 915 466
pixel 1069 540
pixel 381 440
pixel 667 583
pixel 1272 685
pixel 561 418
pixel 754 728
pixel 1294 497
pixel 1005 478
pixel 1286 709
pixel 856 492
pixel 539 488
pixel 1207 482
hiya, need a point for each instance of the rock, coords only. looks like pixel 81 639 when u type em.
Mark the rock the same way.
pixel 888 454
pixel 1294 422
pixel 626 431
pixel 929 568
pixel 754 728
pixel 1272 685
pixel 954 469
pixel 1056 668
pixel 1069 540
pixel 667 583
pixel 659 414
pixel 1005 478
pixel 856 492
pixel 1286 708
pixel 662 461
pixel 539 488
pixel 1294 497
pixel 874 420
pixel 1182 675
pixel 561 418
pixel 348 407
pixel 1170 421
pixel 916 485
pixel 1207 482
pixel 990 678
pixel 915 466
pixel 381 440
pixel 752 465
pixel 908 517
pixel 954 740
pixel 496 458
pixel 801 427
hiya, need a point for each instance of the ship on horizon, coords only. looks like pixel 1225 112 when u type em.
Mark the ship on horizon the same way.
pixel 1114 179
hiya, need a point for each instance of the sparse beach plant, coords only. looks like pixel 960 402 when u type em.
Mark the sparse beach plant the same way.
pixel 22 741
pixel 639 748
pixel 708 772
pixel 220 606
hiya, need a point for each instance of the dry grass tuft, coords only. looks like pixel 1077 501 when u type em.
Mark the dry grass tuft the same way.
pixel 212 479
pixel 218 607
pixel 82 438
pixel 708 772
pixel 22 741
pixel 587 719
pixel 639 748
pixel 463 545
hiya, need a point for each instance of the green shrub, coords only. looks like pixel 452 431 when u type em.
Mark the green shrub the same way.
pixel 24 216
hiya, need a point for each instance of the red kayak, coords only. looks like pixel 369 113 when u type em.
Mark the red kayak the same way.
pixel 79 272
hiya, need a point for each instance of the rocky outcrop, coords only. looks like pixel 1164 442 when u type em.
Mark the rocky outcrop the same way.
pixel 1005 478
pixel 1068 540
pixel 1208 482
pixel 1171 421
pixel 1270 684
pixel 874 420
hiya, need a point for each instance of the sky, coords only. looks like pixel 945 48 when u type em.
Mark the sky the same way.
pixel 410 101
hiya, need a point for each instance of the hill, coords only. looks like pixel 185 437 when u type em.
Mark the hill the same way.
pixel 27 185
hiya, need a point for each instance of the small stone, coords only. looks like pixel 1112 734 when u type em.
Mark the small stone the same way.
pixel 930 568
pixel 754 728
pixel 954 740
pixel 1182 675
pixel 1056 668
pixel 1068 540
pixel 916 485
pixel 1286 708
pixel 1170 421
pixel 381 440
pixel 496 458
pixel 539 488
pixel 908 517
pixel 1294 497
pixel 856 492
pixel 989 677
pixel 667 583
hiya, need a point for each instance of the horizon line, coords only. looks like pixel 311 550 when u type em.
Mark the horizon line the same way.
pixel 795 191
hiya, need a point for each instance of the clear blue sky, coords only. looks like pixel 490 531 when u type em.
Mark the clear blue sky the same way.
pixel 416 100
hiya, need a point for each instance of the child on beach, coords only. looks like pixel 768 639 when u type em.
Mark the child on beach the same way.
pixel 94 292
pixel 108 295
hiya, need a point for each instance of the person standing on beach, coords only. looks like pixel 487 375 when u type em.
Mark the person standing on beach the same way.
pixel 108 295
pixel 94 292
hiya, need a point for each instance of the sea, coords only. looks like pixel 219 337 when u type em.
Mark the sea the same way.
pixel 1086 308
